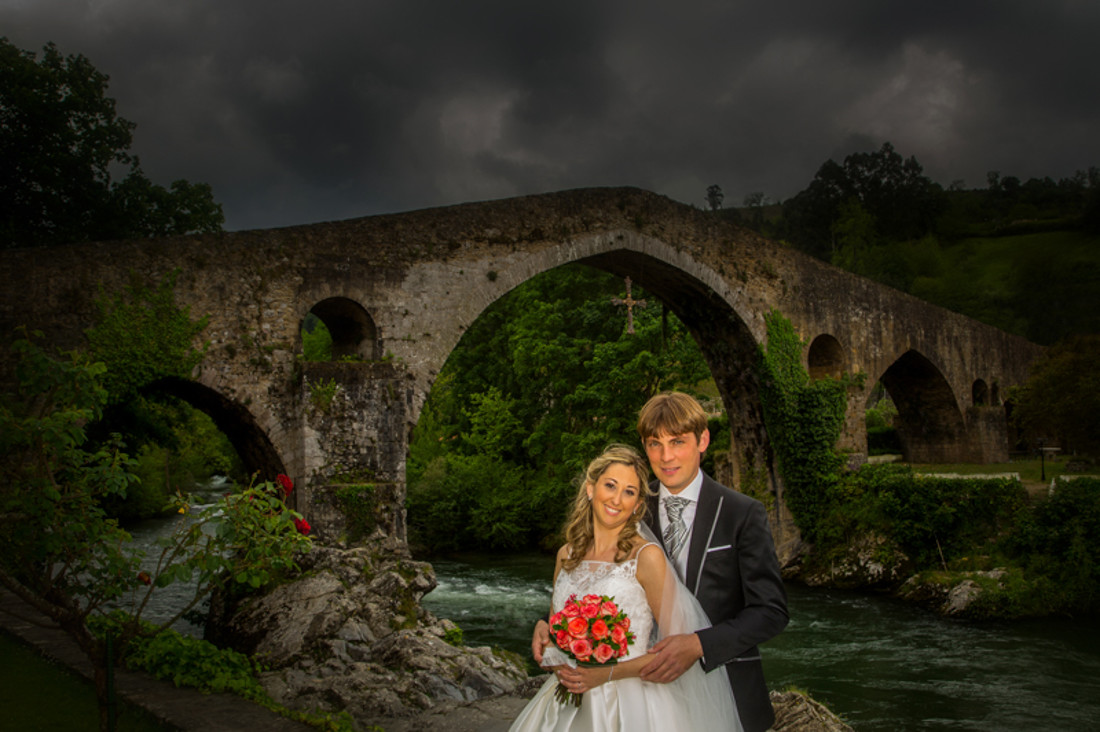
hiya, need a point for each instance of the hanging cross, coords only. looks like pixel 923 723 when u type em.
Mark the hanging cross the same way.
pixel 630 302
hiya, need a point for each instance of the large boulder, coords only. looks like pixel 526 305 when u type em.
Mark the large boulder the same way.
pixel 349 634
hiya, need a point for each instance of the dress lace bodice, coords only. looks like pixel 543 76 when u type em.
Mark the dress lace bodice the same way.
pixel 618 581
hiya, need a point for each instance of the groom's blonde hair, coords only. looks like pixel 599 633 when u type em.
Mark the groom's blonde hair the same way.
pixel 671 413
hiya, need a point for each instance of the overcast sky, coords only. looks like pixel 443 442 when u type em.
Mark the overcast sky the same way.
pixel 297 112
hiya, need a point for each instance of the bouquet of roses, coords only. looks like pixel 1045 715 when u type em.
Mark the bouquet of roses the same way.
pixel 593 631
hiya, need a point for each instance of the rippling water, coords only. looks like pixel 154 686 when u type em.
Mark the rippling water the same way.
pixel 166 601
pixel 879 663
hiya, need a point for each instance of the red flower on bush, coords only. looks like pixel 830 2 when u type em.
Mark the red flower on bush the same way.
pixel 145 578
pixel 302 525
pixel 286 483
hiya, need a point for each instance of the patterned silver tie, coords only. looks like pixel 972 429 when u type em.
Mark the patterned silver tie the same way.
pixel 676 533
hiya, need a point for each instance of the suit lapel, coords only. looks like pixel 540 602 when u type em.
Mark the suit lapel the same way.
pixel 700 532
pixel 653 516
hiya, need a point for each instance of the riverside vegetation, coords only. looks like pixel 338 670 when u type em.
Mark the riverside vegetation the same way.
pixel 540 382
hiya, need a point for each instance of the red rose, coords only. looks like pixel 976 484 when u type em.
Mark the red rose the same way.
pixel 603 653
pixel 302 525
pixel 609 608
pixel 581 648
pixel 556 618
pixel 571 609
pixel 286 483
pixel 590 610
pixel 600 630
pixel 578 627
pixel 625 622
pixel 618 635
pixel 562 639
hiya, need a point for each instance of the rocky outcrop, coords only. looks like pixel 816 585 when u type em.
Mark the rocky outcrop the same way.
pixel 349 635
pixel 797 712
pixel 951 594
pixel 869 562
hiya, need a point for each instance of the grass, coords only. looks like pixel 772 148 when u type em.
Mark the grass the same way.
pixel 1031 471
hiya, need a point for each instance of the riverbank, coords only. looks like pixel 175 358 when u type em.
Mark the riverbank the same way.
pixel 177 708
pixel 190 710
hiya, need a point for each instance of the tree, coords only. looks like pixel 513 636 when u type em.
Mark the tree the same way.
pixel 1060 403
pixel 60 140
pixel 65 558
pixel 903 202
pixel 542 381
pixel 715 197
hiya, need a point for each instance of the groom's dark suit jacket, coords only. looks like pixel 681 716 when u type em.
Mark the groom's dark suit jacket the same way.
pixel 733 571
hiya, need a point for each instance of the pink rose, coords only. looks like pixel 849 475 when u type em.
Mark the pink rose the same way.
pixel 591 599
pixel 556 618
pixel 600 630
pixel 578 627
pixel 590 610
pixel 609 608
pixel 571 609
pixel 562 639
pixel 603 653
pixel 625 622
pixel 581 648
pixel 618 635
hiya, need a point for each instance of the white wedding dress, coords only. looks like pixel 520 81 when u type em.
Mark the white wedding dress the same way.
pixel 696 701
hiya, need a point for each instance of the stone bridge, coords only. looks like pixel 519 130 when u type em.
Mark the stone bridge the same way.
pixel 399 290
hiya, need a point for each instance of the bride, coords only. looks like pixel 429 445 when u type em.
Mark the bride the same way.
pixel 609 551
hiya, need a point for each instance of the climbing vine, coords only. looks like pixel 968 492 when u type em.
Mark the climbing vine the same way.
pixel 803 418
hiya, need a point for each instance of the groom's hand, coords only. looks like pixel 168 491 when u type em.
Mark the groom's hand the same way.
pixel 675 655
pixel 540 639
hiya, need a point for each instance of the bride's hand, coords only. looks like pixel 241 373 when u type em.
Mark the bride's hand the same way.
pixel 581 678
pixel 539 640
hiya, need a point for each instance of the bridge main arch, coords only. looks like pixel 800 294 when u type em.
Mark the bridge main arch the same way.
pixel 423 277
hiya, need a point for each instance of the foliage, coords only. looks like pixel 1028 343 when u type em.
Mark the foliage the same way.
pixel 1060 402
pixel 543 380
pixel 1020 256
pixel 66 558
pixel 60 140
pixel 947 526
pixel 148 342
pixel 186 661
pixel 931 519
pixel 316 339
pixel 183 660
pixel 322 392
pixel 1059 541
pixel 715 197
pixel 804 418
pixel 143 336
pixel 892 193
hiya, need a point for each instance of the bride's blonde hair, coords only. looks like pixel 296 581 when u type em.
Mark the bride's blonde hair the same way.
pixel 579 531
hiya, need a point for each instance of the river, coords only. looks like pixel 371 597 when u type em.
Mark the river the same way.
pixel 879 663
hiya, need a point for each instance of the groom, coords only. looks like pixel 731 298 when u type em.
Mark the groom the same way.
pixel 719 542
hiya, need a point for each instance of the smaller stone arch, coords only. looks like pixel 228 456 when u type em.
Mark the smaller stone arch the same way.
pixel 825 358
pixel 979 393
pixel 354 333
pixel 995 394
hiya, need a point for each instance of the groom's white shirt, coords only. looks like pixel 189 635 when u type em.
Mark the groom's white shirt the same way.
pixel 691 492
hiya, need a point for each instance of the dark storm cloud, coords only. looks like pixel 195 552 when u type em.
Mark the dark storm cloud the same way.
pixel 298 112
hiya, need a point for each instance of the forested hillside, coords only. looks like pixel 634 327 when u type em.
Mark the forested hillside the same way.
pixel 1022 256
